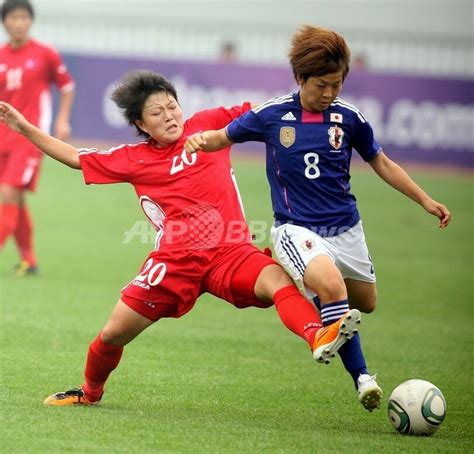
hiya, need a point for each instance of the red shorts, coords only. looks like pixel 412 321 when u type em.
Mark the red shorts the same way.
pixel 170 282
pixel 20 169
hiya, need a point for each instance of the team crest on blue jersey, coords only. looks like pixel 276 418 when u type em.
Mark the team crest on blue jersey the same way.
pixel 335 136
pixel 287 136
pixel 308 245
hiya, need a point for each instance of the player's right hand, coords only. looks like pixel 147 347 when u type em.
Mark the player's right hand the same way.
pixel 195 143
pixel 11 117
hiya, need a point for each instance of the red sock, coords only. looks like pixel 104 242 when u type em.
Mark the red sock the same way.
pixel 24 236
pixel 9 214
pixel 102 359
pixel 297 313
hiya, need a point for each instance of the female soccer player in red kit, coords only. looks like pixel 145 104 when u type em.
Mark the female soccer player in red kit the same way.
pixel 203 242
pixel 27 69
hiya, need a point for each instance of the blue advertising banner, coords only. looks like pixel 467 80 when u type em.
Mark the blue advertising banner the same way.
pixel 423 120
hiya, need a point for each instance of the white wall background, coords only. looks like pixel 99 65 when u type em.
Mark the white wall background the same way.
pixel 415 36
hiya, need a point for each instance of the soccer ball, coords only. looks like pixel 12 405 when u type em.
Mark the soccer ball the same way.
pixel 416 407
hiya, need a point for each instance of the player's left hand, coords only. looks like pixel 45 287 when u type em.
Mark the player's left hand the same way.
pixel 194 143
pixel 439 210
pixel 62 129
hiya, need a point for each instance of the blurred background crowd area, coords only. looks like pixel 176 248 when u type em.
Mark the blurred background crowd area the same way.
pixel 409 36
pixel 411 67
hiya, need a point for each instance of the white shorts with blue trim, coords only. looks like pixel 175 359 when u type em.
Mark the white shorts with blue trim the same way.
pixel 295 246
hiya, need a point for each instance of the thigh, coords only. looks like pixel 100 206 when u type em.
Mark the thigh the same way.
pixel 296 247
pixel 167 277
pixel 352 255
pixel 324 278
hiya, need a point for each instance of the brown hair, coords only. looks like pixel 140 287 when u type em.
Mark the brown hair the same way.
pixel 317 51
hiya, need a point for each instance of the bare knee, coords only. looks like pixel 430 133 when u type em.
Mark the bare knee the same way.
pixel 123 325
pixel 120 334
pixel 331 290
pixel 110 335
pixel 271 279
pixel 324 278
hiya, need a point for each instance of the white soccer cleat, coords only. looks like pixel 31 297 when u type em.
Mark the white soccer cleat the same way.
pixel 370 393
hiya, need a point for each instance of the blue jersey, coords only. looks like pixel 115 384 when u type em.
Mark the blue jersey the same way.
pixel 308 159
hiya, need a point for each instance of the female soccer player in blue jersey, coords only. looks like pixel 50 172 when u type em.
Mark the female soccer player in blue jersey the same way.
pixel 318 235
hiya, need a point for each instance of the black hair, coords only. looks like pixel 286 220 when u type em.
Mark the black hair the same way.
pixel 134 90
pixel 10 5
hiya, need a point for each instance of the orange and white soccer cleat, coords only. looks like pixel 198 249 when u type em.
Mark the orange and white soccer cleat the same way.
pixel 330 339
pixel 74 396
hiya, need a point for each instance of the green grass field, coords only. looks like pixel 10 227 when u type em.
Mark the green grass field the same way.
pixel 222 380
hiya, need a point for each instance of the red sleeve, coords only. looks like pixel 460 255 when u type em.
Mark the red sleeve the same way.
pixel 219 118
pixel 58 73
pixel 105 167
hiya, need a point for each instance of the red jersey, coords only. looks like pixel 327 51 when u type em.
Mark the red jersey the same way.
pixel 26 74
pixel 192 200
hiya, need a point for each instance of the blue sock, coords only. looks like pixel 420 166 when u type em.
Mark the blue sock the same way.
pixel 351 352
pixel 353 358
pixel 317 303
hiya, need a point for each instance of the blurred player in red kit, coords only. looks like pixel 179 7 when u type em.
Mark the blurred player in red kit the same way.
pixel 203 243
pixel 27 69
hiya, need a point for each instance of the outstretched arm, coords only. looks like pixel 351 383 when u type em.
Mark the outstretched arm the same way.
pixel 396 177
pixel 61 151
pixel 208 141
